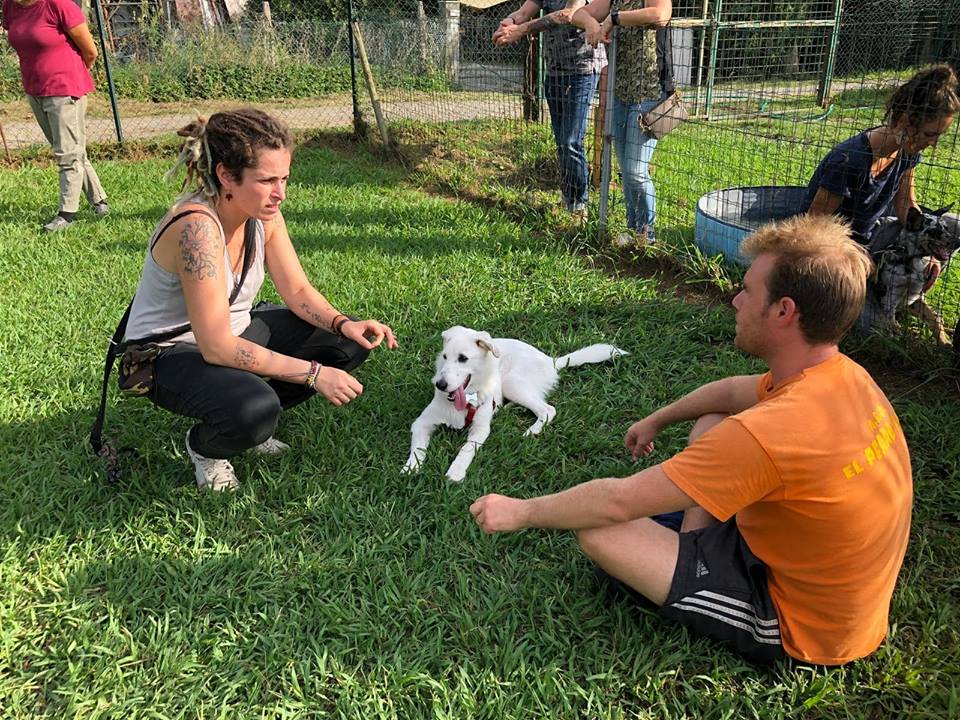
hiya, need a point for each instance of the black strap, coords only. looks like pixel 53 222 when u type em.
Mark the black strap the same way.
pixel 118 344
pixel 664 38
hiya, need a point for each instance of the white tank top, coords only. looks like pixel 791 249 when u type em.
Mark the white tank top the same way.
pixel 159 305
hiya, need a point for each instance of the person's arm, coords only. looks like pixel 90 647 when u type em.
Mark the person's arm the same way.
pixel 195 245
pixel 825 202
pixel 305 300
pixel 82 38
pixel 588 19
pixel 511 33
pixel 906 197
pixel 656 13
pixel 728 396
pixel 597 503
pixel 525 12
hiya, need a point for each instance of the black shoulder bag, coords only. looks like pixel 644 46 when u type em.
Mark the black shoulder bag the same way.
pixel 137 356
pixel 667 114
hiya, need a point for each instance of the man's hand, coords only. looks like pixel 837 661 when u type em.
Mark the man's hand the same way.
pixel 507 34
pixel 639 438
pixel 368 334
pixel 498 513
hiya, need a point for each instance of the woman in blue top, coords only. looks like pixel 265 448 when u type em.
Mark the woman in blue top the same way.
pixel 871 174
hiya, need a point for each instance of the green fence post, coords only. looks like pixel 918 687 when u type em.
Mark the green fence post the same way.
pixel 826 76
pixel 712 70
pixel 358 127
pixel 106 66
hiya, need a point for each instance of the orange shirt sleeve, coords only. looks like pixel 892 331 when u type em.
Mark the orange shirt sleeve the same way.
pixel 724 470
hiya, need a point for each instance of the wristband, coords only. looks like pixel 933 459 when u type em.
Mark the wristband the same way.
pixel 311 381
pixel 333 323
pixel 337 328
pixel 615 18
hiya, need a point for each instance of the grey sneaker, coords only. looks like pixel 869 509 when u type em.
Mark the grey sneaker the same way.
pixel 58 223
pixel 212 474
pixel 101 209
pixel 270 446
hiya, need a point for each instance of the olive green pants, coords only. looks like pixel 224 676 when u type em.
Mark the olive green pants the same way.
pixel 62 121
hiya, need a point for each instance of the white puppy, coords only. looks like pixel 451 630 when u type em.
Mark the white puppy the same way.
pixel 475 375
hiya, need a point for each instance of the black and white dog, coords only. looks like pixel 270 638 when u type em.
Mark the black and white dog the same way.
pixel 475 375
pixel 905 256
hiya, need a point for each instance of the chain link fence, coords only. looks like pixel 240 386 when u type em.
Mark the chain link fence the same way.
pixel 771 87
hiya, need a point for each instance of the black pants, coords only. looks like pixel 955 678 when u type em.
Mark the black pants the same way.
pixel 237 409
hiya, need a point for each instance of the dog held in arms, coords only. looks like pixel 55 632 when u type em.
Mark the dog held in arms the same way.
pixel 904 255
pixel 475 375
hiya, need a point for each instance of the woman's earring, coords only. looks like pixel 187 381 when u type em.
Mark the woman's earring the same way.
pixel 229 196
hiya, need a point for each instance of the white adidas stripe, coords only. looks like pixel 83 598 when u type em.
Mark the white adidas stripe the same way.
pixel 728 621
pixel 753 620
pixel 735 603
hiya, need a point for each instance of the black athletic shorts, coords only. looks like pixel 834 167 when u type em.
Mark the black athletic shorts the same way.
pixel 719 590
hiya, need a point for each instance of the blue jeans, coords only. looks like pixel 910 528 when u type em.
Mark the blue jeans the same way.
pixel 634 151
pixel 568 97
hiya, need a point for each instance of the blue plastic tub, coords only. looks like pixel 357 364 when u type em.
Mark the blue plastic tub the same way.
pixel 725 217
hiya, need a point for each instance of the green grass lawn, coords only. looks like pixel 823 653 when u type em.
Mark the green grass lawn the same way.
pixel 330 585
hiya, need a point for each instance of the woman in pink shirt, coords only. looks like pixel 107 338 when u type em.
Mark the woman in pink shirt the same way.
pixel 56 50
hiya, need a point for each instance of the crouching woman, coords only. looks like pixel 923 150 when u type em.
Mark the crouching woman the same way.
pixel 197 272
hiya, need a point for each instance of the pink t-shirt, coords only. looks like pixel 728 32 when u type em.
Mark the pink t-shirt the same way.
pixel 50 63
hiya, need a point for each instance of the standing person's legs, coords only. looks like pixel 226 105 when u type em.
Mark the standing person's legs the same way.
pixel 65 141
pixel 635 151
pixel 574 170
pixel 553 90
pixel 279 329
pixel 92 188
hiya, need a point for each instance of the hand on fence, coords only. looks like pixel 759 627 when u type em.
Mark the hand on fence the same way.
pixel 594 32
pixel 507 34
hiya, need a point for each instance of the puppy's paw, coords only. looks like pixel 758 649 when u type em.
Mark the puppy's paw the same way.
pixel 455 476
pixel 412 467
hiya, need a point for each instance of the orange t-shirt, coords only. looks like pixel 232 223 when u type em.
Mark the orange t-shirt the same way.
pixel 818 476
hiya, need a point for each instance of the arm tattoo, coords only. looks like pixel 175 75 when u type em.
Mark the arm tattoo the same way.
pixel 312 314
pixel 244 358
pixel 555 19
pixel 198 251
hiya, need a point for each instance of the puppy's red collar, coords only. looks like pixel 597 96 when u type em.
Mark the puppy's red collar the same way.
pixel 471 411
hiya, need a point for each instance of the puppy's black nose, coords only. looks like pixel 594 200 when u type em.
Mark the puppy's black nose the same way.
pixel 441 384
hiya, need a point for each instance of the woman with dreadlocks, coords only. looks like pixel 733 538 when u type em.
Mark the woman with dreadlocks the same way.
pixel 204 266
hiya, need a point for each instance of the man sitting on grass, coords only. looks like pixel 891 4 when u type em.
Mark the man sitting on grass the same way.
pixel 796 484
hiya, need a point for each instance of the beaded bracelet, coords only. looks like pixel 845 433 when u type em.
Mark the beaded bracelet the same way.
pixel 311 381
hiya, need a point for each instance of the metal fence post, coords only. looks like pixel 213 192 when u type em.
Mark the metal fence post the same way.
pixel 106 66
pixel 606 169
pixel 712 70
pixel 358 127
pixel 826 75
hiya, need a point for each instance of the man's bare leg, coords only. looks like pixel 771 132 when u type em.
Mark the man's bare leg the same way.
pixel 696 517
pixel 640 553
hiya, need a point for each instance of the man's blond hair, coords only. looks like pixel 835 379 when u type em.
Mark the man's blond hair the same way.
pixel 820 267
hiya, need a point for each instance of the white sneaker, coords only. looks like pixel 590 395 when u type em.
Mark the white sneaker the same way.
pixel 58 223
pixel 270 446
pixel 212 474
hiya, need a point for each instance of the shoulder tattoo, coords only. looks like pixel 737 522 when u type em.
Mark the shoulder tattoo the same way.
pixel 198 250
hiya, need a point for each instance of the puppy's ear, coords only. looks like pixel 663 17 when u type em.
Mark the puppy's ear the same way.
pixel 451 331
pixel 485 342
pixel 914 219
pixel 941 211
